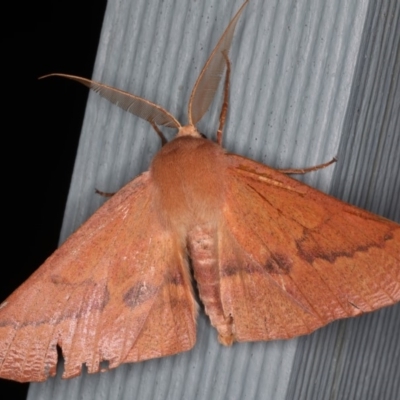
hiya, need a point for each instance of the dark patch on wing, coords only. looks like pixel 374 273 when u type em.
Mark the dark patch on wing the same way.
pixel 232 269
pixel 309 250
pixel 139 293
pixel 279 263
pixel 57 279
pixel 388 236
pixel 229 270
pixel 175 279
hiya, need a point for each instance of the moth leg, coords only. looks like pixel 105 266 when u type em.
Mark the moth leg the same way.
pixel 159 133
pixel 224 108
pixel 309 169
pixel 104 194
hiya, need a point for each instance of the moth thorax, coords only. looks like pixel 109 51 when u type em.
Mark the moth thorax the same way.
pixel 188 179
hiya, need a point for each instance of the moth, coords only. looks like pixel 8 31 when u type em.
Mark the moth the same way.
pixel 272 257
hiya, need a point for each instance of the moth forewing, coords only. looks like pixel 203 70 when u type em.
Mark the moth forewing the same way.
pixel 273 258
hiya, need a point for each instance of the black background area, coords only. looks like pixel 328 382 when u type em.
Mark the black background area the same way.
pixel 41 125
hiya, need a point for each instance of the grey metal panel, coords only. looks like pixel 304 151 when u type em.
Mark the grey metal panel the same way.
pixel 359 358
pixel 296 66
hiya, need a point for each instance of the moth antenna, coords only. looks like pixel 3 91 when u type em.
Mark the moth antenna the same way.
pixel 164 141
pixel 207 83
pixel 308 169
pixel 136 105
pixel 224 109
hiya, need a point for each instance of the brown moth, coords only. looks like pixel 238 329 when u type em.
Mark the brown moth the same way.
pixel 272 257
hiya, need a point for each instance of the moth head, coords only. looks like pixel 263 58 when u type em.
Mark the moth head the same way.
pixel 189 130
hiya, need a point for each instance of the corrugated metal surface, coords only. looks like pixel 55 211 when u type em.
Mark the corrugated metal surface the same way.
pixel 360 358
pixel 311 79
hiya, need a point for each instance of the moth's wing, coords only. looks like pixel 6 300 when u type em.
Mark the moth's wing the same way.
pixel 118 289
pixel 136 105
pixel 207 83
pixel 293 259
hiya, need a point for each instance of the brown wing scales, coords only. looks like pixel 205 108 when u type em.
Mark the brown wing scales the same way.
pixel 127 301
pixel 301 258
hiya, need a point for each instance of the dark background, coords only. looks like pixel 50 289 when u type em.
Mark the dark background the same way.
pixel 42 123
